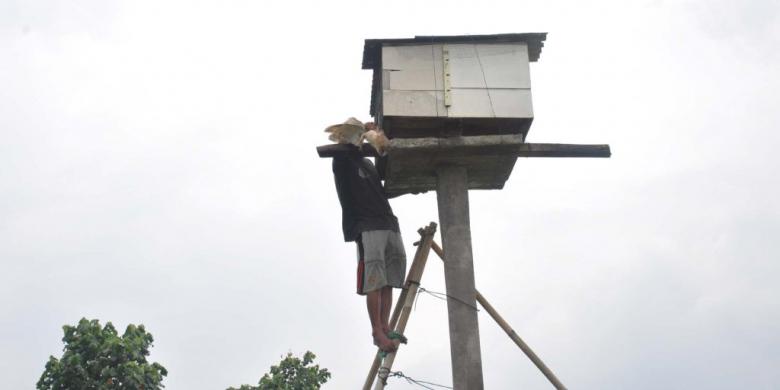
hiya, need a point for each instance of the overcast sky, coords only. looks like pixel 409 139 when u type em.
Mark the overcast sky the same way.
pixel 157 166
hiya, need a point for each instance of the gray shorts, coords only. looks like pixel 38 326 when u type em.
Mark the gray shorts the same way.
pixel 381 260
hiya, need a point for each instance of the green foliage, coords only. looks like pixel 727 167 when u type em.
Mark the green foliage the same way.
pixel 96 357
pixel 292 374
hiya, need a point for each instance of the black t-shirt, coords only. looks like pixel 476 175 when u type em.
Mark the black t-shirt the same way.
pixel 364 205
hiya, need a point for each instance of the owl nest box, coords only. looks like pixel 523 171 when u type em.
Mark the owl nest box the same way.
pixel 463 100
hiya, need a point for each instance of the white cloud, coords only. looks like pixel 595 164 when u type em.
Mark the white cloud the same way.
pixel 157 165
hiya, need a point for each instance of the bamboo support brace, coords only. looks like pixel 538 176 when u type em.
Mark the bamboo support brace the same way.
pixel 510 332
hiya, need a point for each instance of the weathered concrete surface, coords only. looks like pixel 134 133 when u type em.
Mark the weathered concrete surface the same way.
pixel 453 199
pixel 411 162
pixel 489 159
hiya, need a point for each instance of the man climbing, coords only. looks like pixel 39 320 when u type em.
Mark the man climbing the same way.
pixel 368 220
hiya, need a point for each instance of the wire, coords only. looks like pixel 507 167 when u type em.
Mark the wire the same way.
pixel 410 380
pixel 384 373
pixel 442 296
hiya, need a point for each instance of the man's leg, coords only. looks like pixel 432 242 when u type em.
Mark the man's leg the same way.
pixel 395 271
pixel 387 303
pixel 376 313
pixel 379 297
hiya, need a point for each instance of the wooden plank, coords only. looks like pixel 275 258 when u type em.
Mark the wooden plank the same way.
pixel 409 103
pixel 563 150
pixel 511 103
pixel 470 103
pixel 438 67
pixel 409 57
pixel 465 69
pixel 523 150
pixel 505 65
pixel 332 150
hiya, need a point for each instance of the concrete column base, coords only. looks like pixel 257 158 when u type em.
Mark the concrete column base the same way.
pixel 453 198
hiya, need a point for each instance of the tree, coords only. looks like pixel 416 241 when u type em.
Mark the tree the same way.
pixel 292 374
pixel 96 357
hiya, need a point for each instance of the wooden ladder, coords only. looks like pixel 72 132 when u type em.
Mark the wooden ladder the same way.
pixel 380 369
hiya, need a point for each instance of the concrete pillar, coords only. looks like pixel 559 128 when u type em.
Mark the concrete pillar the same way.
pixel 453 198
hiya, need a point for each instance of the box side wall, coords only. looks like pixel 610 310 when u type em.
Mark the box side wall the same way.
pixel 487 81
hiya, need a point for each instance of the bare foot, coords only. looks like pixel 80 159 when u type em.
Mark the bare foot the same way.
pixel 384 343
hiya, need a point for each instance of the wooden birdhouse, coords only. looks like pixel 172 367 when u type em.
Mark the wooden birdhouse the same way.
pixel 460 100
pixel 440 85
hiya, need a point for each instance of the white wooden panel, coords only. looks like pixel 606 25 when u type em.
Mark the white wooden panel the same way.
pixel 511 103
pixel 410 80
pixel 441 109
pixel 470 103
pixel 505 65
pixel 438 67
pixel 465 71
pixel 407 57
pixel 409 103
pixel 408 67
pixel 488 80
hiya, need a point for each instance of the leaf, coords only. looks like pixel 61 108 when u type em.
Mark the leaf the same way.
pixel 96 357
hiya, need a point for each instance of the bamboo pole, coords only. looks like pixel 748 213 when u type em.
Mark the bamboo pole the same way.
pixel 404 304
pixel 510 332
pixel 378 360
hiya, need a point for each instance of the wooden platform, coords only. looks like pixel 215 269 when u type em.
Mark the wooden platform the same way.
pixel 410 165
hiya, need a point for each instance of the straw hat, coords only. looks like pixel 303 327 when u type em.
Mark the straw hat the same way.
pixel 349 132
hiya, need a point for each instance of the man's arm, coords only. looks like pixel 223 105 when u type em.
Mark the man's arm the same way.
pixel 390 196
pixel 340 167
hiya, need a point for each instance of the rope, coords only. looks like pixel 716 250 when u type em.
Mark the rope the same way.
pixel 442 296
pixel 410 380
pixel 384 373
